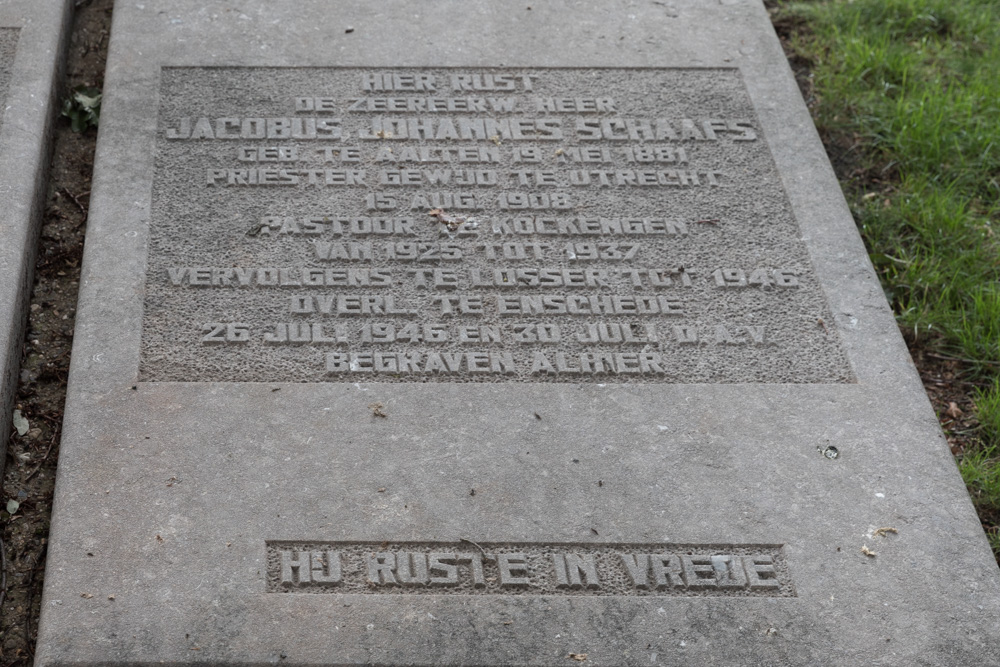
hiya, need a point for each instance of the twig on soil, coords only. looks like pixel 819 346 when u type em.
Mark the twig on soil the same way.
pixel 76 200
pixel 31 474
pixel 30 590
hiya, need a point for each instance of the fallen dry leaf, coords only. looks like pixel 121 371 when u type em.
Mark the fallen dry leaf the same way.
pixel 20 423
pixel 882 532
pixel 868 552
pixel 953 410
pixel 378 410
pixel 452 221
pixel 579 657
pixel 86 596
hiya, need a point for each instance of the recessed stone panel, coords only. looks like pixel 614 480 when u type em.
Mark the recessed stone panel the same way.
pixel 474 225
pixel 470 568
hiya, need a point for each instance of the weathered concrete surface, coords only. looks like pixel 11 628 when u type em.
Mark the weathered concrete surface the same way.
pixel 32 40
pixel 249 523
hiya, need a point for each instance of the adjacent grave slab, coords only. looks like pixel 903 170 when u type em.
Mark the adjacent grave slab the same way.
pixel 474 333
pixel 32 36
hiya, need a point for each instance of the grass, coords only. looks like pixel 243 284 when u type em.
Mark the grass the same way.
pixel 908 97
pixel 981 467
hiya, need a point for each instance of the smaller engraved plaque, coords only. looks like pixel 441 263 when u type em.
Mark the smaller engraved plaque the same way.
pixel 469 568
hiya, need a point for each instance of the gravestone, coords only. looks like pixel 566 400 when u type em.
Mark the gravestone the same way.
pixel 486 333
pixel 32 36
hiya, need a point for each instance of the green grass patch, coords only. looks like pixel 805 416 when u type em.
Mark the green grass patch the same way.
pixel 907 95
pixel 981 467
pixel 981 471
pixel 912 87
pixel 988 412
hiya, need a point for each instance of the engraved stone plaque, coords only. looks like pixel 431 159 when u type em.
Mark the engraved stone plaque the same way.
pixel 474 225
pixel 459 332
pixel 528 569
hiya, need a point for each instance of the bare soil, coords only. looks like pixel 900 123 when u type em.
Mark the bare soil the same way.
pixel 31 459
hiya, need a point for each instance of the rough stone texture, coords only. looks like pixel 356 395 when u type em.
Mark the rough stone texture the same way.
pixel 527 569
pixel 177 499
pixel 693 207
pixel 32 40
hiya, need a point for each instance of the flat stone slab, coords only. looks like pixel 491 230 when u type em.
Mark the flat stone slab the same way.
pixel 32 37
pixel 480 333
